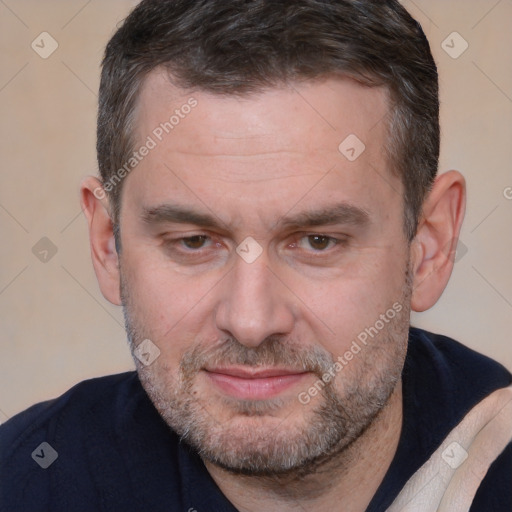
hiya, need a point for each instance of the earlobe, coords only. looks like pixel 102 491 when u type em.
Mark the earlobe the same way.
pixel 433 248
pixel 103 250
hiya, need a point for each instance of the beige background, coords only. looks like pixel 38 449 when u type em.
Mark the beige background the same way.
pixel 56 328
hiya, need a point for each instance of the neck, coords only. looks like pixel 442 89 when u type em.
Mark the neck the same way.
pixel 347 482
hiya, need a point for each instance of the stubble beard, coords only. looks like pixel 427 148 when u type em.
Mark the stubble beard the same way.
pixel 253 437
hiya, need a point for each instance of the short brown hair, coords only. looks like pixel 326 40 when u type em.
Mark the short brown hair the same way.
pixel 233 47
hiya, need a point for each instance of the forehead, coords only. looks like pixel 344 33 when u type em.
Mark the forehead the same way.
pixel 269 146
pixel 260 118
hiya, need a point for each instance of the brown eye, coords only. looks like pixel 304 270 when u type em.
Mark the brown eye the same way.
pixel 194 242
pixel 319 242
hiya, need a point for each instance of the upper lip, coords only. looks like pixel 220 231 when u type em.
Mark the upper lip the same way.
pixel 254 373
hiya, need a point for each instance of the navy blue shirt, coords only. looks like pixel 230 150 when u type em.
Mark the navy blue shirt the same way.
pixel 115 453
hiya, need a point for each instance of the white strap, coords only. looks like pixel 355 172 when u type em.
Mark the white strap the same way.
pixel 449 480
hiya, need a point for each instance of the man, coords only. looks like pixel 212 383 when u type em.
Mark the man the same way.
pixel 268 215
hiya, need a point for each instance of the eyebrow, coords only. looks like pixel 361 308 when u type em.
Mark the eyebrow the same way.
pixel 170 213
pixel 342 213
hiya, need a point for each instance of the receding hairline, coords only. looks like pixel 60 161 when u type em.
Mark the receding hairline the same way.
pixel 183 93
pixel 163 73
pixel 304 40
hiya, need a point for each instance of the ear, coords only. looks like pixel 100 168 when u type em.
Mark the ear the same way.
pixel 105 259
pixel 434 246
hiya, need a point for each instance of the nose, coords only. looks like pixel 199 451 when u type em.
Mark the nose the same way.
pixel 254 304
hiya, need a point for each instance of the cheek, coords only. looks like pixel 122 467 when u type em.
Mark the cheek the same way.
pixel 339 309
pixel 169 308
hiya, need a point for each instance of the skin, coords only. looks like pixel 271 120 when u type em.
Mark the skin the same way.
pixel 249 163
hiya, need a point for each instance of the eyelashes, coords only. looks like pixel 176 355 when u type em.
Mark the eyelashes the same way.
pixel 203 247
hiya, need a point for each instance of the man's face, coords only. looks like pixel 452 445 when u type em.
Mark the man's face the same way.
pixel 249 338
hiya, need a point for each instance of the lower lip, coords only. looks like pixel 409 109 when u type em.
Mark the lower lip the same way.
pixel 254 389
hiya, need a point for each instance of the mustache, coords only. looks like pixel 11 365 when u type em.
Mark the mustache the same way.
pixel 273 351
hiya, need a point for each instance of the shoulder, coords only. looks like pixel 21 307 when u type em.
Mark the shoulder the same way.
pixel 453 379
pixel 446 367
pixel 95 394
pixel 71 453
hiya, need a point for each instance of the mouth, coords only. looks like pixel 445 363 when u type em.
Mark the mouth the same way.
pixel 254 384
